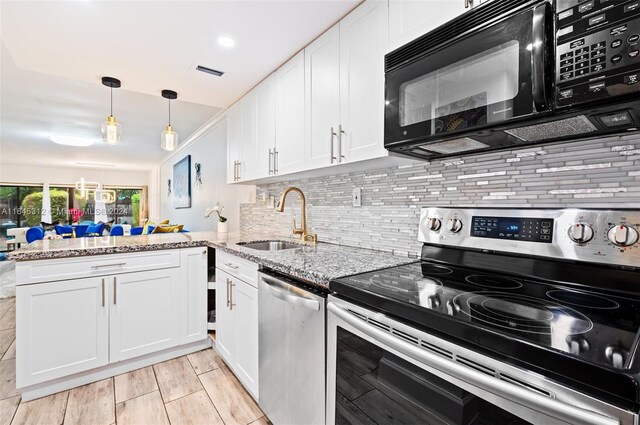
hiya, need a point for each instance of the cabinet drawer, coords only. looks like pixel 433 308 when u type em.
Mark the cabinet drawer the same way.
pixel 96 265
pixel 238 267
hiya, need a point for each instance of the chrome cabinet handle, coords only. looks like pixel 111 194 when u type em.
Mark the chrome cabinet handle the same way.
pixel 228 282
pixel 522 396
pixel 270 158
pixel 340 133
pixel 115 291
pixel 108 265
pixel 276 156
pixel 231 304
pixel 273 286
pixel 331 136
pixel 103 292
pixel 233 266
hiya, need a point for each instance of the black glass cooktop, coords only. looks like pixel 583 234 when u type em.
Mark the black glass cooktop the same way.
pixel 597 326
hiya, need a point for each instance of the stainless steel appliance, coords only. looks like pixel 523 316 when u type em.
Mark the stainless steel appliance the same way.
pixel 515 72
pixel 510 317
pixel 291 335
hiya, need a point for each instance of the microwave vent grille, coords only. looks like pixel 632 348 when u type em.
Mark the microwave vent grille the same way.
pixel 463 144
pixel 482 15
pixel 573 126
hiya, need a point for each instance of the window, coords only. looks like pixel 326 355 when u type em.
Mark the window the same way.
pixel 21 206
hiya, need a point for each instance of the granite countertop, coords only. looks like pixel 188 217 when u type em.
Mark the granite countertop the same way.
pixel 60 248
pixel 317 264
pixel 314 263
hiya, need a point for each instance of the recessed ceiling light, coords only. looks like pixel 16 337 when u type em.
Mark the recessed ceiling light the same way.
pixel 71 140
pixel 225 41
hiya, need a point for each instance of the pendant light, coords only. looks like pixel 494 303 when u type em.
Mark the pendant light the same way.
pixel 111 130
pixel 169 138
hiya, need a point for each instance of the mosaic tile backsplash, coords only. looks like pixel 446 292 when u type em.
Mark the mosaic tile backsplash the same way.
pixel 602 173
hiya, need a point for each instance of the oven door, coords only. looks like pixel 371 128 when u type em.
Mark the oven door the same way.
pixel 380 371
pixel 486 78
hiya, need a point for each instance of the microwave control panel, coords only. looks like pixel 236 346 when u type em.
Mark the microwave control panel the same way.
pixel 597 50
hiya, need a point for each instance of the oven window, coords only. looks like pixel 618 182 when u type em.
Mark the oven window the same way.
pixel 374 386
pixel 457 96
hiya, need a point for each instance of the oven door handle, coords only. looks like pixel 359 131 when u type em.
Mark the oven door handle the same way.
pixel 538 63
pixel 513 393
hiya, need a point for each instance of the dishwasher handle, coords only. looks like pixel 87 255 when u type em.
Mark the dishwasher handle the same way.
pixel 278 289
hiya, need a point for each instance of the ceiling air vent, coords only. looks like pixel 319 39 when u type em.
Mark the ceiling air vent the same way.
pixel 209 70
pixel 573 126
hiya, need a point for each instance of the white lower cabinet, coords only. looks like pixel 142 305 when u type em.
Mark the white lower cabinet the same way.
pixel 237 327
pixel 67 327
pixel 145 313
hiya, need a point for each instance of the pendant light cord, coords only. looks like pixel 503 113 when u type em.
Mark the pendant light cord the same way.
pixel 111 100
pixel 169 100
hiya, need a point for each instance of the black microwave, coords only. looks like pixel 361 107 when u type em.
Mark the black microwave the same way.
pixel 515 72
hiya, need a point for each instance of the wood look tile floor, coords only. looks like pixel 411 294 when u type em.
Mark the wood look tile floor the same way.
pixel 197 389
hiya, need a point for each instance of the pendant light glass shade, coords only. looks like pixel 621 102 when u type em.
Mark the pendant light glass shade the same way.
pixel 168 139
pixel 111 131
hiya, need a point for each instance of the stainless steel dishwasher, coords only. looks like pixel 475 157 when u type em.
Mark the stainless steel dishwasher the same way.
pixel 291 338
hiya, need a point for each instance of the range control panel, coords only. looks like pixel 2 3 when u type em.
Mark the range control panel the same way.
pixel 597 51
pixel 515 228
pixel 596 236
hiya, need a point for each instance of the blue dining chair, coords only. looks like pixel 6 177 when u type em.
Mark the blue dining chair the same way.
pixel 35 233
pixel 116 230
pixel 81 230
pixel 64 230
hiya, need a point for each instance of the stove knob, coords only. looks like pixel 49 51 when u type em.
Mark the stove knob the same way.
pixel 623 235
pixel 616 356
pixel 580 233
pixel 577 344
pixel 433 224
pixel 454 225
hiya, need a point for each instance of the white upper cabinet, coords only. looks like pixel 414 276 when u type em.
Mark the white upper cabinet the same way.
pixel 322 99
pixel 410 19
pixel 290 115
pixel 234 141
pixel 265 94
pixel 363 42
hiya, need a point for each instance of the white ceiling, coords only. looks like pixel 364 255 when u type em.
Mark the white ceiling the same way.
pixel 54 53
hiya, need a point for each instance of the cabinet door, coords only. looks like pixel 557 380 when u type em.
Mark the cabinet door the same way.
pixel 234 140
pixel 62 329
pixel 225 318
pixel 145 313
pixel 248 157
pixel 193 290
pixel 290 115
pixel 363 41
pixel 265 127
pixel 245 300
pixel 322 98
pixel 410 19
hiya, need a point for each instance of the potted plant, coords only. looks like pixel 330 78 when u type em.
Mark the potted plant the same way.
pixel 222 220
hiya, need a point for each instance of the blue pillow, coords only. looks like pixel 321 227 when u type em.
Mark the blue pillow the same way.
pixel 116 230
pixel 136 231
pixel 95 229
pixel 81 230
pixel 64 231
pixel 34 234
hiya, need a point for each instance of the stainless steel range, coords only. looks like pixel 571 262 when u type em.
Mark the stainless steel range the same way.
pixel 510 317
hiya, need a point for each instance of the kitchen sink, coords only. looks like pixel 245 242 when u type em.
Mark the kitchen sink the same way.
pixel 269 245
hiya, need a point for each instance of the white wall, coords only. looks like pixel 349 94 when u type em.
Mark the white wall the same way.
pixel 11 173
pixel 210 150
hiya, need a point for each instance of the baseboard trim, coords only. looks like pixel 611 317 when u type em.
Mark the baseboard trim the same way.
pixel 61 384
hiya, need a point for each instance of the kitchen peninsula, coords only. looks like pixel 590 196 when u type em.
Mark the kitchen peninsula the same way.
pixel 90 308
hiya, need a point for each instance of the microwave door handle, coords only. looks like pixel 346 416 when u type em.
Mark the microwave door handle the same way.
pixel 538 47
pixel 549 406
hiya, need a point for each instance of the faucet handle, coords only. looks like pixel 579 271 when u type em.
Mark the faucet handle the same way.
pixel 296 231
